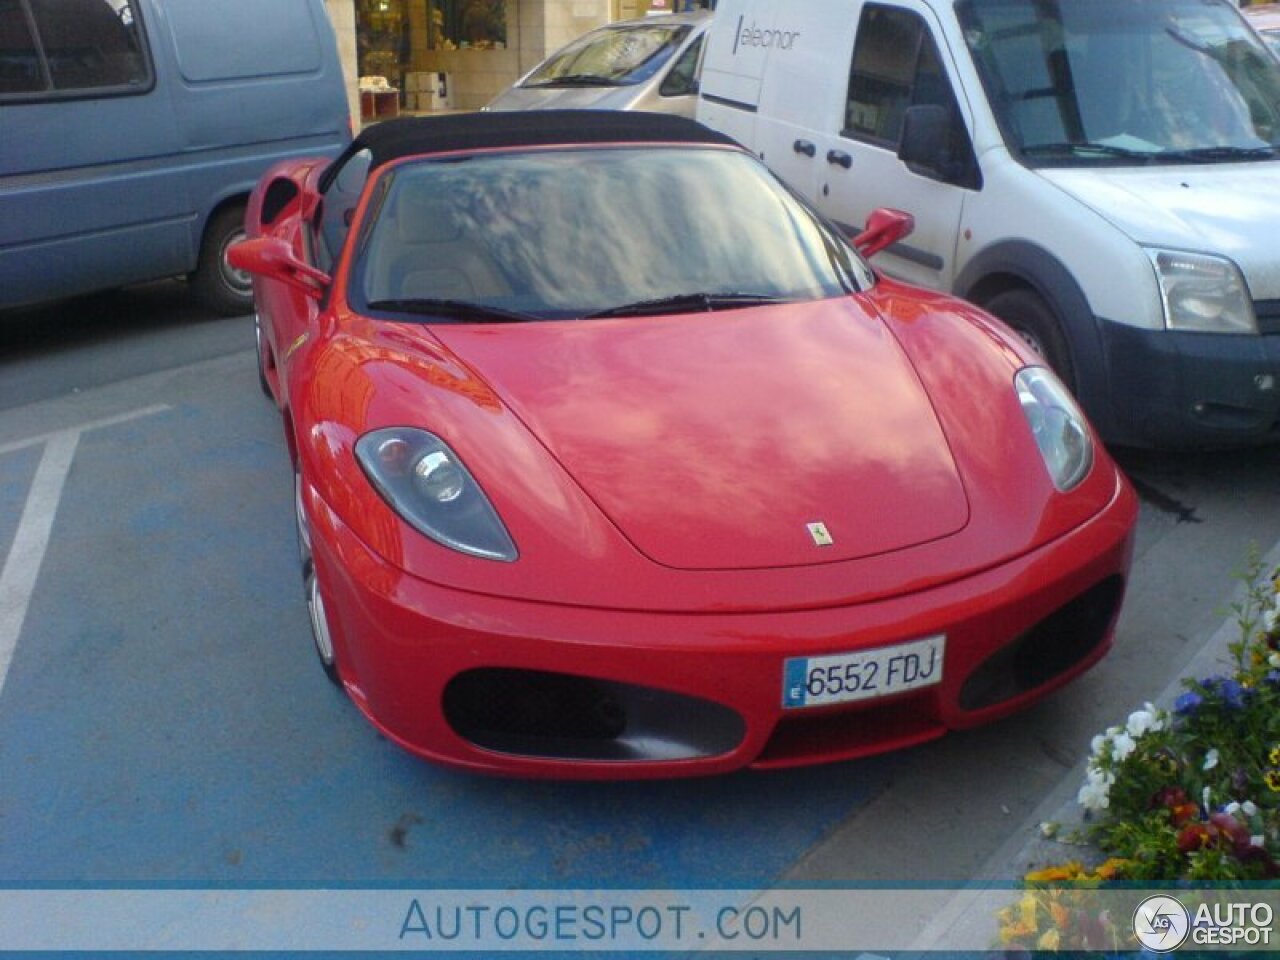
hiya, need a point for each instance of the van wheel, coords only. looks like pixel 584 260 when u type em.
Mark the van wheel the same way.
pixel 1037 326
pixel 219 285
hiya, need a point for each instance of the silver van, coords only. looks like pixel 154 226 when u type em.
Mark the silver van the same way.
pixel 132 131
pixel 648 64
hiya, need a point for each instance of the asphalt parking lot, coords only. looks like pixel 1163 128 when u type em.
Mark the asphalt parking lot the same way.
pixel 163 722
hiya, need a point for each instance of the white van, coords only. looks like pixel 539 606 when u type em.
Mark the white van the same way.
pixel 1103 176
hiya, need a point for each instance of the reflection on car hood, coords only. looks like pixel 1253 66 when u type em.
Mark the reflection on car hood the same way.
pixel 1230 209
pixel 714 441
pixel 567 98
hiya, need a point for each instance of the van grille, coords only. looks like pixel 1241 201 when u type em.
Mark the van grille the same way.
pixel 1268 314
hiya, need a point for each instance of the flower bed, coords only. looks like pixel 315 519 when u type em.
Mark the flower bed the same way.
pixel 1188 796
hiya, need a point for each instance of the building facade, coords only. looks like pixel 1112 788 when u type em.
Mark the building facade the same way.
pixel 425 56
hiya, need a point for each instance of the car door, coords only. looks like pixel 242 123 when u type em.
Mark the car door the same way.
pixel 899 61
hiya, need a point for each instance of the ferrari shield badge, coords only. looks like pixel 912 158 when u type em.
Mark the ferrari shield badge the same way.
pixel 821 536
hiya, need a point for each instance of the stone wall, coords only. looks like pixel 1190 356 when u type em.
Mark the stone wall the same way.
pixel 343 15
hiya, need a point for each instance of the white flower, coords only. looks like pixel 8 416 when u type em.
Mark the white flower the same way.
pixel 1098 742
pixel 1096 792
pixel 1231 808
pixel 1210 761
pixel 1250 810
pixel 1270 618
pixel 1142 721
pixel 1257 840
pixel 1122 746
pixel 1205 795
pixel 1274 659
pixel 1094 796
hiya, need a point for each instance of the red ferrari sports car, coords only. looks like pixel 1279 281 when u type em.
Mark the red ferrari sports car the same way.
pixel 614 459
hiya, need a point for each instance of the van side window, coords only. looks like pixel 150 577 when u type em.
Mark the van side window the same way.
pixel 19 60
pixel 895 66
pixel 50 47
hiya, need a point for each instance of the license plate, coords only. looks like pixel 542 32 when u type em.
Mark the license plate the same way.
pixel 845 677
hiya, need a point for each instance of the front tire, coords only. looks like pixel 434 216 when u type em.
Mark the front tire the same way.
pixel 262 356
pixel 322 639
pixel 220 286
pixel 1036 325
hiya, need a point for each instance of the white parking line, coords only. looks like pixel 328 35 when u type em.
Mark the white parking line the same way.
pixel 85 427
pixel 26 553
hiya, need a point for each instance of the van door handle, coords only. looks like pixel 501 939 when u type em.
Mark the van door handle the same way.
pixel 806 147
pixel 839 158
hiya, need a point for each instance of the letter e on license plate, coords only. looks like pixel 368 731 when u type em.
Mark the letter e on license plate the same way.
pixel 879 672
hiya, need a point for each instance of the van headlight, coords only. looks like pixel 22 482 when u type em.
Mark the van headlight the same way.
pixel 1057 425
pixel 426 484
pixel 1203 293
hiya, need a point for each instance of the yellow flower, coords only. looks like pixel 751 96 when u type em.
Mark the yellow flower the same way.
pixel 1049 940
pixel 1027 909
pixel 1112 868
pixel 1065 871
pixel 1272 779
pixel 1273 757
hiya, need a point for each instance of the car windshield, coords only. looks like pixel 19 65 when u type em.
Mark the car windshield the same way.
pixel 1144 81
pixel 563 233
pixel 617 56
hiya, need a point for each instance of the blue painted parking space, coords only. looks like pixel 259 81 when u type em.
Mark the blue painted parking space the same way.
pixel 164 723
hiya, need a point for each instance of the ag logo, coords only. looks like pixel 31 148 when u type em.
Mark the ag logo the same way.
pixel 1161 924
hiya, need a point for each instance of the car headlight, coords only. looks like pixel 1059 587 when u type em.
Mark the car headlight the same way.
pixel 1057 424
pixel 1203 293
pixel 427 485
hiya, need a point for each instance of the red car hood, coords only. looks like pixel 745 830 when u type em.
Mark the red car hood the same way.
pixel 714 441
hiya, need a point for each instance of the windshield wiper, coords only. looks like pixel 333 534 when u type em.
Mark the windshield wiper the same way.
pixel 1071 148
pixel 1214 154
pixel 688 303
pixel 453 309
pixel 577 80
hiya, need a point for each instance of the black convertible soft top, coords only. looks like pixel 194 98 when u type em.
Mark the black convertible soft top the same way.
pixel 408 136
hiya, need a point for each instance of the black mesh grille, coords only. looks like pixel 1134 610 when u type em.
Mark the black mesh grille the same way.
pixel 1268 314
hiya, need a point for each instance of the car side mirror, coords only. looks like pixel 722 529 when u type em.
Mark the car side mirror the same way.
pixel 884 228
pixel 926 131
pixel 273 258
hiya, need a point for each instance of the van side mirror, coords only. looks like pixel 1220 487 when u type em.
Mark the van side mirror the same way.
pixel 273 258
pixel 926 131
pixel 884 228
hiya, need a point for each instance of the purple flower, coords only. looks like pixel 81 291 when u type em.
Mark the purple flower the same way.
pixel 1233 694
pixel 1273 677
pixel 1189 702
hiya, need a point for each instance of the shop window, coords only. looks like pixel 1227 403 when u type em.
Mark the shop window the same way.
pixel 467 24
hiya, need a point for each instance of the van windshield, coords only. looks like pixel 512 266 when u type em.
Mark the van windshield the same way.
pixel 614 56
pixel 1077 82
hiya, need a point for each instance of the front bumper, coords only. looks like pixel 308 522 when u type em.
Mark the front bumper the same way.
pixel 521 688
pixel 1172 390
